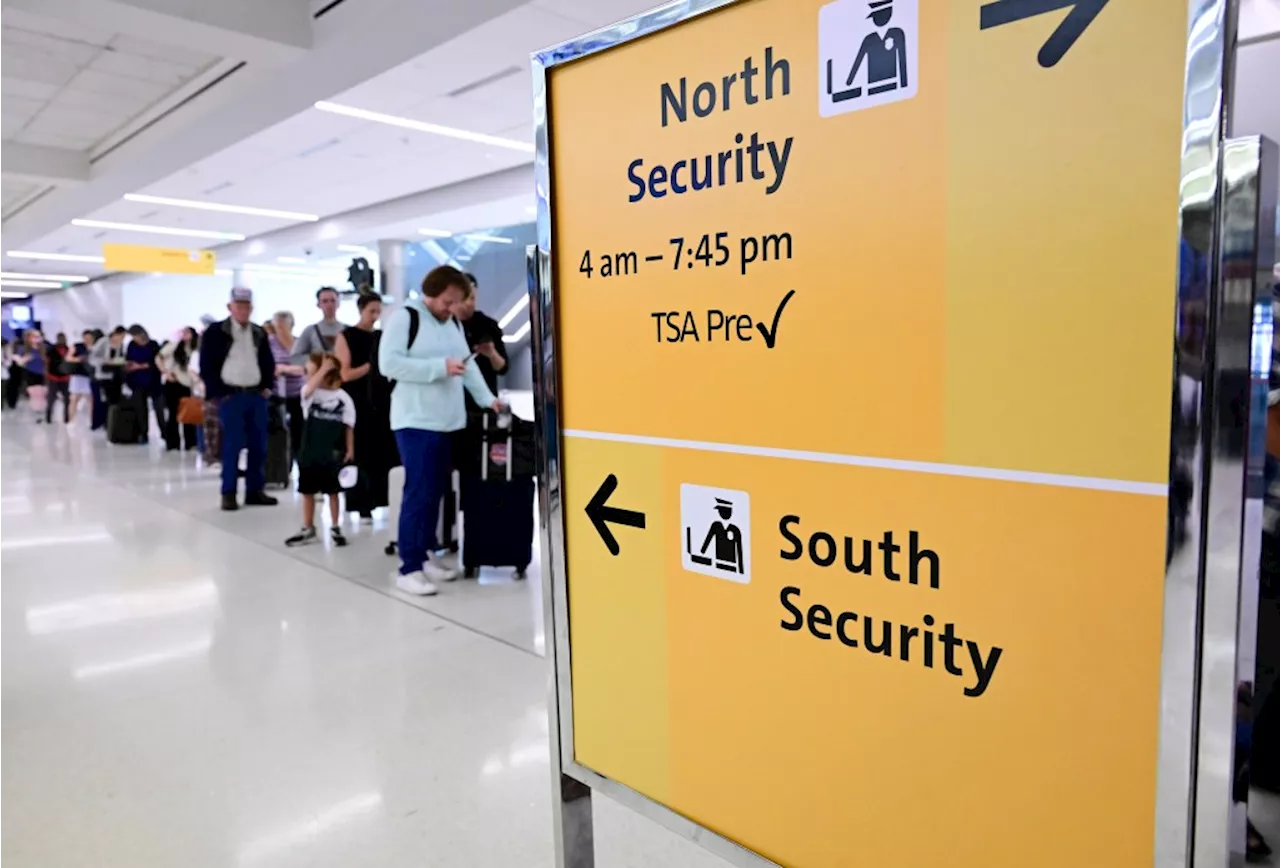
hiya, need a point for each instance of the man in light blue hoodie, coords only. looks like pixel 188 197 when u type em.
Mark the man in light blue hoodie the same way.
pixel 424 352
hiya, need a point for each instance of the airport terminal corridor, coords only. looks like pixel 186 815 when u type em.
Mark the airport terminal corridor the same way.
pixel 640 433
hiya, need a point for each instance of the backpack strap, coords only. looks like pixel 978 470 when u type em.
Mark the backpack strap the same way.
pixel 414 325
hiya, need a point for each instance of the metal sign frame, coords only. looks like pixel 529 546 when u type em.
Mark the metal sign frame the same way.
pixel 1202 606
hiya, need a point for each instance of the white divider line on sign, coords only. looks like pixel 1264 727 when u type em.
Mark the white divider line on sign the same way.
pixel 1122 486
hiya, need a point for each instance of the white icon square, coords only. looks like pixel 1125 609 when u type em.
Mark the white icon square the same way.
pixel 715 528
pixel 868 54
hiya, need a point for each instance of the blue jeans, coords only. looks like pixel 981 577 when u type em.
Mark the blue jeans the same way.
pixel 244 426
pixel 426 457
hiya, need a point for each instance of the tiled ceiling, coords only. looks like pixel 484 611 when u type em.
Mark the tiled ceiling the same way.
pixel 69 86
pixel 14 192
pixel 326 164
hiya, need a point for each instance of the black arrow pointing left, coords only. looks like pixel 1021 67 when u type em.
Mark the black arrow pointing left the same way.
pixel 602 515
pixel 1082 13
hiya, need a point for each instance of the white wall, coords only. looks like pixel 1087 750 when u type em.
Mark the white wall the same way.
pixel 163 304
pixel 98 304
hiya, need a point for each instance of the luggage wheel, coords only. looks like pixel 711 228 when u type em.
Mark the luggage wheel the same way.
pixel 522 573
pixel 390 548
pixel 471 573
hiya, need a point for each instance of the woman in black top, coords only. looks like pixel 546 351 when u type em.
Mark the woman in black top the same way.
pixel 354 349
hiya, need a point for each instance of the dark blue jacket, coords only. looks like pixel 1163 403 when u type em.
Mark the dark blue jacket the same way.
pixel 215 343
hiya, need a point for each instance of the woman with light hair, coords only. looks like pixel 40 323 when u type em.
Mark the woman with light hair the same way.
pixel 289 378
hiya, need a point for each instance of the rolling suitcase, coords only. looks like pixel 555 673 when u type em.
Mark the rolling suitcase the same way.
pixel 279 450
pixel 497 506
pixel 124 422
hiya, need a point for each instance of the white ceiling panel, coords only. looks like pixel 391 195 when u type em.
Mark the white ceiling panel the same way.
pixel 118 105
pixel 29 90
pixel 68 142
pixel 79 123
pixel 594 14
pixel 51 47
pixel 160 72
pixel 130 44
pixel 11 123
pixel 71 86
pixel 121 86
pixel 63 28
pixel 28 64
pixel 18 106
pixel 13 193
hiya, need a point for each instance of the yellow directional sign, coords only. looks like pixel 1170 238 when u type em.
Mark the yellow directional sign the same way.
pixel 864 337
pixel 165 260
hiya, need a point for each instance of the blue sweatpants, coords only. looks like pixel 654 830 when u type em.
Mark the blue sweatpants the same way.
pixel 244 426
pixel 426 457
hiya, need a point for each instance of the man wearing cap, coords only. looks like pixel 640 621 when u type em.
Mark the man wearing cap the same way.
pixel 237 368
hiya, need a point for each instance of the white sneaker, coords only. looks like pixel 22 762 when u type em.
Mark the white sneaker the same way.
pixel 439 571
pixel 416 583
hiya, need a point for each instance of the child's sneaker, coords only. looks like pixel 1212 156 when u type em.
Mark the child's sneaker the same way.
pixel 302 537
pixel 335 533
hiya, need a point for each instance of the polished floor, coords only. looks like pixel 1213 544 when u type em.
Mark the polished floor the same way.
pixel 180 689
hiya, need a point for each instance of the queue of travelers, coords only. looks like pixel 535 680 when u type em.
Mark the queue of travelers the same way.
pixel 344 403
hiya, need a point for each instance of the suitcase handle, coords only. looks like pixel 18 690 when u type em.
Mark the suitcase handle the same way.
pixel 485 445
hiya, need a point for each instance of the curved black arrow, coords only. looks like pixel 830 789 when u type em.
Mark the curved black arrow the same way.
pixel 600 514
pixel 1071 29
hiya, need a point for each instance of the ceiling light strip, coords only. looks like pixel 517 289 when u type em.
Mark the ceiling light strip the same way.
pixel 226 209
pixel 32 284
pixel 26 275
pixel 158 230
pixel 436 233
pixel 52 257
pixel 424 127
pixel 480 236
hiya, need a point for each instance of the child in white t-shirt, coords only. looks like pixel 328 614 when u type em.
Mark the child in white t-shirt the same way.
pixel 328 443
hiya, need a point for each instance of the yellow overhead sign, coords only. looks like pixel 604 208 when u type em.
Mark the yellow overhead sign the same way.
pixel 864 338
pixel 166 260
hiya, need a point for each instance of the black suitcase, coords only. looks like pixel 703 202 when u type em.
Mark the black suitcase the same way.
pixel 279 460
pixel 279 464
pixel 124 422
pixel 497 506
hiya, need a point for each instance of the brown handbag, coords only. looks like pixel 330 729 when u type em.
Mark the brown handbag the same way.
pixel 191 411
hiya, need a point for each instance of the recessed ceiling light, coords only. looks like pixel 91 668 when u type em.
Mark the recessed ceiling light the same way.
pixel 158 230
pixel 52 257
pixel 531 209
pixel 24 275
pixel 480 236
pixel 217 206
pixel 4 294
pixel 514 312
pixel 299 260
pixel 436 233
pixel 32 284
pixel 424 127
pixel 355 248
